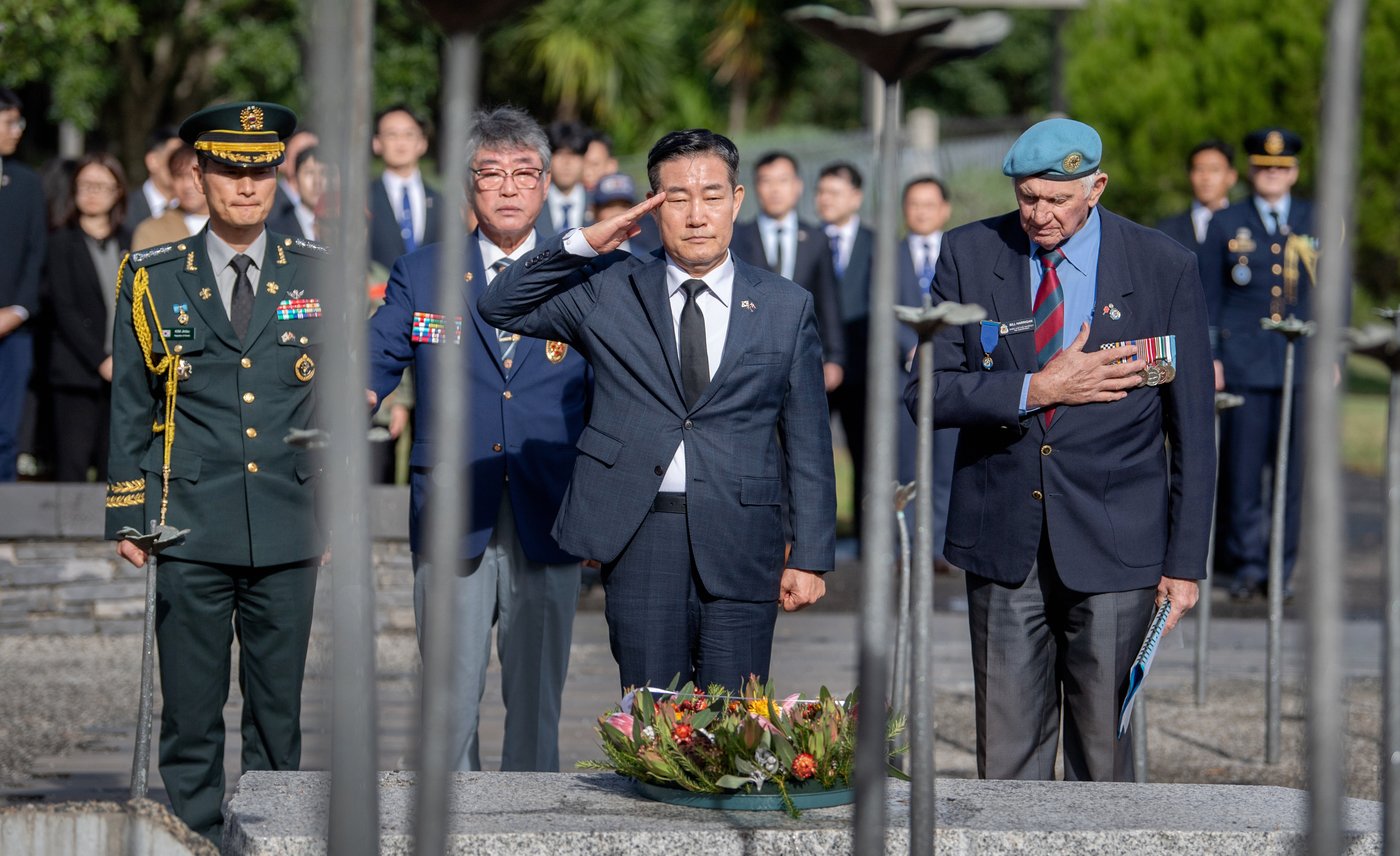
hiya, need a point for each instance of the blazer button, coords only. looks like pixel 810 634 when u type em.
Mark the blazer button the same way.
pixel 688 424
pixel 1277 269
pixel 252 466
pixel 506 395
pixel 1037 495
pixel 248 398
pixel 660 470
pixel 252 433
pixel 246 363
pixel 495 447
pixel 1045 450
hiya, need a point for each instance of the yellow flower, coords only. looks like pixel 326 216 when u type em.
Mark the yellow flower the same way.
pixel 759 706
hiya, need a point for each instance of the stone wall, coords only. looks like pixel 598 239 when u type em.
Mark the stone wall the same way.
pixel 57 575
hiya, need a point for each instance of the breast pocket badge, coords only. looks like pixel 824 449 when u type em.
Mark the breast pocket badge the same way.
pixel 305 368
pixel 555 351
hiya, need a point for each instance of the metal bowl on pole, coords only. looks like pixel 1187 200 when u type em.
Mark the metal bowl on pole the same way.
pixel 895 48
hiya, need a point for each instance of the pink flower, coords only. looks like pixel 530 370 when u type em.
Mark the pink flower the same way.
pixel 622 722
pixel 788 704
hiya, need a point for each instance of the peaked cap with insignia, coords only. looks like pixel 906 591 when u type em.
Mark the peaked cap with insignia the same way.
pixel 243 133
pixel 1273 147
pixel 1056 149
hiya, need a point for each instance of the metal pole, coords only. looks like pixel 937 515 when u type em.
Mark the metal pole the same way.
pixel 1139 732
pixel 922 770
pixel 1390 765
pixel 1273 731
pixel 141 757
pixel 341 67
pixel 1223 401
pixel 899 699
pixel 1323 545
pixel 874 668
pixel 449 500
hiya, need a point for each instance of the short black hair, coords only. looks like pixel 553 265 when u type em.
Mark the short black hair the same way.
pixel 605 139
pixel 160 136
pixel 689 144
pixel 307 154
pixel 9 100
pixel 1211 146
pixel 842 169
pixel 569 136
pixel 773 157
pixel 925 179
pixel 406 110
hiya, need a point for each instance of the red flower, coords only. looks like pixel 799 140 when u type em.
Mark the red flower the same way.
pixel 682 734
pixel 804 766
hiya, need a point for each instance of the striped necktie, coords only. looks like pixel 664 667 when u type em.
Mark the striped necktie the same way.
pixel 505 340
pixel 1049 312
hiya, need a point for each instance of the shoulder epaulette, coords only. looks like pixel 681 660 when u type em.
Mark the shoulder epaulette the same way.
pixel 155 255
pixel 306 248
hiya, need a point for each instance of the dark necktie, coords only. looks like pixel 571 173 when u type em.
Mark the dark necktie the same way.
pixel 836 255
pixel 505 340
pixel 1276 225
pixel 406 222
pixel 241 306
pixel 1049 312
pixel 695 360
pixel 778 251
pixel 926 273
pixel 565 212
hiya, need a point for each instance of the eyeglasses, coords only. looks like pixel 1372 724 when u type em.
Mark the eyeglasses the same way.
pixel 13 124
pixel 95 187
pixel 494 179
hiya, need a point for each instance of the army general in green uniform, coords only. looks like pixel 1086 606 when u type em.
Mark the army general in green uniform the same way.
pixel 214 362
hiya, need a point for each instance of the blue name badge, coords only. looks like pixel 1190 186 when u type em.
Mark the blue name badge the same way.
pixel 991 330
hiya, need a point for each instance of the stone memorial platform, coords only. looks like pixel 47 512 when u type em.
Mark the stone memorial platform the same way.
pixel 139 828
pixel 553 814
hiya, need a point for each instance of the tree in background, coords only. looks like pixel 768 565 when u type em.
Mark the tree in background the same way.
pixel 1157 76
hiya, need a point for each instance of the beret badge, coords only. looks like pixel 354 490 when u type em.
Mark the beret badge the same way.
pixel 1071 162
pixel 251 118
pixel 1273 143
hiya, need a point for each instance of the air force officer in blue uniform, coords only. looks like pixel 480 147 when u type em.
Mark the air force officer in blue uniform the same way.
pixel 709 423
pixel 1080 494
pixel 526 404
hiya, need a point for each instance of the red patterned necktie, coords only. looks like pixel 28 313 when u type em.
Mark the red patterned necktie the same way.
pixel 1049 312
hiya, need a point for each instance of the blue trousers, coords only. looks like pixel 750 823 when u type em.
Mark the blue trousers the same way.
pixel 1248 449
pixel 16 362
pixel 662 623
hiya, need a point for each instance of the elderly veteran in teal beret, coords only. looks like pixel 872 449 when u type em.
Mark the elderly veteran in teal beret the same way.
pixel 1086 386
pixel 216 342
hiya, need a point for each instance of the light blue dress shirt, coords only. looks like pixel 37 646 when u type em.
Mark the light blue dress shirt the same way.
pixel 1079 274
pixel 1283 206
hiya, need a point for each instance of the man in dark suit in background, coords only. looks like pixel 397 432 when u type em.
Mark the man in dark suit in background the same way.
pixel 1211 169
pixel 403 211
pixel 157 192
pixel 1248 275
pixel 288 195
pixel 1082 494
pixel 709 421
pixel 566 205
pixel 799 251
pixel 22 247
pixel 526 408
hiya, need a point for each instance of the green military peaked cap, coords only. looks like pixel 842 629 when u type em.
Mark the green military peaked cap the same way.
pixel 243 133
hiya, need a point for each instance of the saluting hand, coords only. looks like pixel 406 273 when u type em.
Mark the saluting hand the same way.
pixel 1075 376
pixel 607 235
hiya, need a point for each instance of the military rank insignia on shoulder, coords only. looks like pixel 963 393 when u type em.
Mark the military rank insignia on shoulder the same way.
pixel 154 255
pixel 305 247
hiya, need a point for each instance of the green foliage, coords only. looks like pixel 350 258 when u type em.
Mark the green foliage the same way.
pixel 66 42
pixel 1158 76
pixel 1011 79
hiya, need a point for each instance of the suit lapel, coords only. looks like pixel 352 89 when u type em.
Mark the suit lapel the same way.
pixel 649 282
pixel 1011 293
pixel 471 291
pixel 739 333
pixel 194 282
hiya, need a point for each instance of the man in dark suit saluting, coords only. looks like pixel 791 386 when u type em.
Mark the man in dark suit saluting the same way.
pixel 709 419
pixel 1063 514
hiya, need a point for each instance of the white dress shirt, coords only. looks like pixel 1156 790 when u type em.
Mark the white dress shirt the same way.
pixel 783 229
pixel 916 250
pixel 417 200
pixel 576 199
pixel 714 303
pixel 1200 220
pixel 846 239
pixel 490 253
pixel 154 198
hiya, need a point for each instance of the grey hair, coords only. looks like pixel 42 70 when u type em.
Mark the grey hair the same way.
pixel 504 128
pixel 1088 181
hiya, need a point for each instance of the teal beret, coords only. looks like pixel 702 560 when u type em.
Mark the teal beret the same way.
pixel 245 133
pixel 1057 149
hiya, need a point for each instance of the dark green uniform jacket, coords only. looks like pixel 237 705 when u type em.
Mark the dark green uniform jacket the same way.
pixel 247 497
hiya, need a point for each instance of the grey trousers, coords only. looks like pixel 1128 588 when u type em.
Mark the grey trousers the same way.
pixel 1037 645
pixel 532 607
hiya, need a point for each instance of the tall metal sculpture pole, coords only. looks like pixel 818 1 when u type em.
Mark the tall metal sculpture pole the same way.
pixel 899 698
pixel 1223 401
pixel 1382 342
pixel 894 48
pixel 1323 543
pixel 1292 329
pixel 341 85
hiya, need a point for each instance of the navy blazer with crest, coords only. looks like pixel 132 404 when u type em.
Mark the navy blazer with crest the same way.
pixel 759 436
pixel 1123 507
pixel 529 436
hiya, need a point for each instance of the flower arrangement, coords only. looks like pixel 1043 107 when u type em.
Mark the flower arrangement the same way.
pixel 709 741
